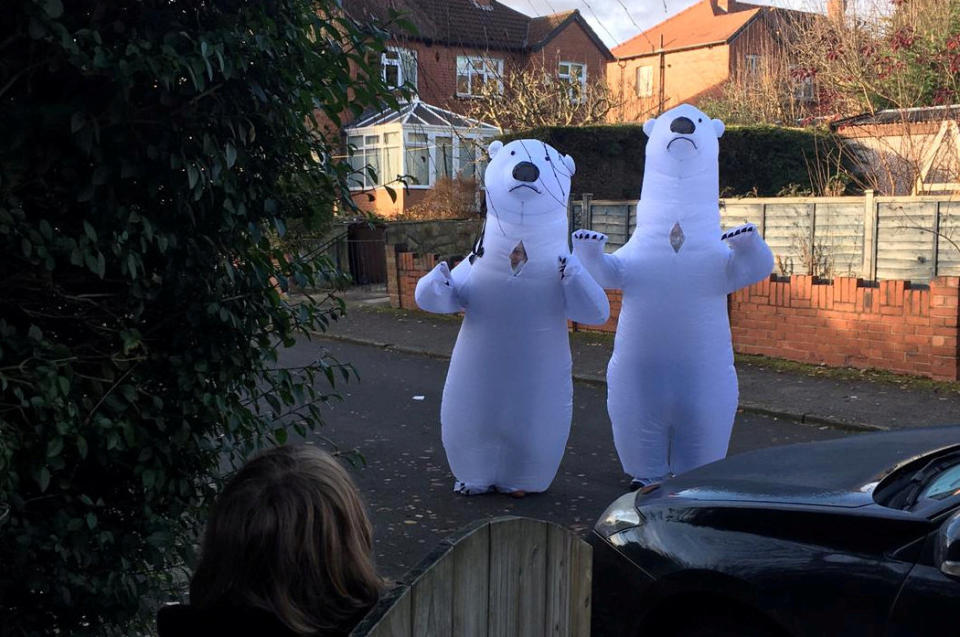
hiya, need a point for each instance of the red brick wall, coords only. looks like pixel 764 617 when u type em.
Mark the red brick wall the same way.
pixel 845 324
pixel 842 323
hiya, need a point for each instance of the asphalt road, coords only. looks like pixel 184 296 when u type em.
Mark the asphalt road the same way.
pixel 392 416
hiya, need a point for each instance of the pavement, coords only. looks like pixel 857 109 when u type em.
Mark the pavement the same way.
pixel 802 393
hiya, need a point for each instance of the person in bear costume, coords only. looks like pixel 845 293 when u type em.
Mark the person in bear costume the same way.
pixel 508 398
pixel 671 385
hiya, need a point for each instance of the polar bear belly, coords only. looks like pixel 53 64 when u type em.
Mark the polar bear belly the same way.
pixel 672 387
pixel 507 400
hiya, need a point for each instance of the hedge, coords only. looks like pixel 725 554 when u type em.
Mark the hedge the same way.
pixel 759 161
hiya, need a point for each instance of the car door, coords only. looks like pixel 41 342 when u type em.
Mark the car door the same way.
pixel 929 598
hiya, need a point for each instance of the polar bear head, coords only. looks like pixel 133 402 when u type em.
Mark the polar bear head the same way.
pixel 527 181
pixel 682 142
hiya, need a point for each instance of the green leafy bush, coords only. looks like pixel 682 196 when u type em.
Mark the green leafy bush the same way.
pixel 754 160
pixel 152 153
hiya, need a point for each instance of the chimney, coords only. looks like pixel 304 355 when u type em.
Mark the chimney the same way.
pixel 836 9
pixel 723 6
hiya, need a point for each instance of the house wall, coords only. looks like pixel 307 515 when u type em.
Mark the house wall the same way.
pixel 571 45
pixel 686 75
pixel 842 323
pixel 437 63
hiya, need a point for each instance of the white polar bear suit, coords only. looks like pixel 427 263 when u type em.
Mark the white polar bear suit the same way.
pixel 507 401
pixel 671 385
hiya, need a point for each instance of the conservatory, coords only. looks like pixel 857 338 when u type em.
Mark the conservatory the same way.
pixel 419 142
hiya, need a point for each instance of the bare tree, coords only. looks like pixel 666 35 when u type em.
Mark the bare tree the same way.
pixel 532 98
pixel 893 55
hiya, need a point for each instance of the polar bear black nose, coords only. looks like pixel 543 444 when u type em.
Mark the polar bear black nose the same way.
pixel 526 171
pixel 682 125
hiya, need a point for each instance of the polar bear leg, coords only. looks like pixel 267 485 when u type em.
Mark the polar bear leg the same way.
pixel 701 433
pixel 641 438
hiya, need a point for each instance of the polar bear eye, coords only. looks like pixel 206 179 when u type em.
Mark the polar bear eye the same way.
pixel 547 157
pixel 513 152
pixel 699 120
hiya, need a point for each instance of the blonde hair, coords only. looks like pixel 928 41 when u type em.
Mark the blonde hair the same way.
pixel 289 534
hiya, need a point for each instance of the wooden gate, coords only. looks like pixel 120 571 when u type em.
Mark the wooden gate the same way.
pixel 505 577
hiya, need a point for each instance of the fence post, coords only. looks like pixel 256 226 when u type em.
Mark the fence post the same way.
pixel 869 236
pixel 936 242
pixel 586 209
pixel 763 220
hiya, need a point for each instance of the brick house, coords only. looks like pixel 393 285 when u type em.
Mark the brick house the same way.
pixel 689 55
pixel 459 45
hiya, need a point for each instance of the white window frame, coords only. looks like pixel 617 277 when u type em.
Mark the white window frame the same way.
pixel 360 179
pixel 645 85
pixel 566 77
pixel 406 73
pixel 490 68
pixel 751 65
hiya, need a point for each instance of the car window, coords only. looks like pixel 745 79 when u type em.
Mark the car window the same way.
pixel 944 485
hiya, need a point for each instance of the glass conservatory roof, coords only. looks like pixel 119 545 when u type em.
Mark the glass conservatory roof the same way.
pixel 417 113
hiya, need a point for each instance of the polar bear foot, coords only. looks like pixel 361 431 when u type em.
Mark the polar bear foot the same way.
pixel 640 483
pixel 513 493
pixel 463 488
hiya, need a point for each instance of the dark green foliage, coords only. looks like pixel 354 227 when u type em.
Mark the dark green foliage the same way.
pixel 759 161
pixel 152 153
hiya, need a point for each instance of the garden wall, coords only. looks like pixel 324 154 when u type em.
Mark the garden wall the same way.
pixel 846 322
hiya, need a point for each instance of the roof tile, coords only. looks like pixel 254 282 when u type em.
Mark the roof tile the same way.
pixel 699 24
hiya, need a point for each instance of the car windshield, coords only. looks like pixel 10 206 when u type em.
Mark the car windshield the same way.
pixel 932 477
pixel 944 485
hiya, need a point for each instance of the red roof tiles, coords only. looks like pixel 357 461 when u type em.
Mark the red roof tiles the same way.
pixel 699 24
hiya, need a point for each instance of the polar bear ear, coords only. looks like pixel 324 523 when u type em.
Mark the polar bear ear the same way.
pixel 569 163
pixel 494 148
pixel 718 127
pixel 648 127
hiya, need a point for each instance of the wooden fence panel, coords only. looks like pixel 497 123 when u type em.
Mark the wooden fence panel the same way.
pixel 432 600
pixel 948 263
pixel 917 238
pixel 905 240
pixel 506 577
pixel 471 579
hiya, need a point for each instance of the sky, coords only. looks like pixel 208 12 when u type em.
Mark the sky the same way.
pixel 618 20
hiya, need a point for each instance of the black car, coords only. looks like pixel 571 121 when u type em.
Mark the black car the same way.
pixel 855 536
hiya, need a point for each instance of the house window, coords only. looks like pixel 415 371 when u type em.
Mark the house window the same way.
pixel 399 67
pixel 444 157
pixel 479 75
pixel 752 68
pixel 467 166
pixel 644 81
pixel 802 85
pixel 381 154
pixel 575 74
pixel 418 159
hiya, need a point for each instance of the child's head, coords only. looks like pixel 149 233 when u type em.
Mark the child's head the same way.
pixel 289 534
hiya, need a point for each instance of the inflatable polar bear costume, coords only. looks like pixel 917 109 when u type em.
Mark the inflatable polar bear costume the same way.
pixel 508 398
pixel 671 385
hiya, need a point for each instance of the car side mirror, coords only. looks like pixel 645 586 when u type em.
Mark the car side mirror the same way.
pixel 947 550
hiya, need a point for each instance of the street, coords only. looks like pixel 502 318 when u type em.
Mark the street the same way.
pixel 392 416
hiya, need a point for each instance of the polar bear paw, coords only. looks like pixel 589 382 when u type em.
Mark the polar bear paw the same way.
pixel 739 235
pixel 569 266
pixel 589 243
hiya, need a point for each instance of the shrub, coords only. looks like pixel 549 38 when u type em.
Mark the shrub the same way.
pixel 152 154
pixel 754 160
